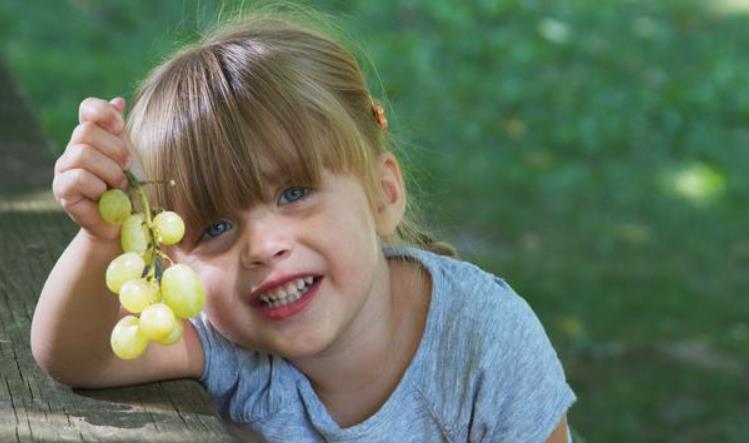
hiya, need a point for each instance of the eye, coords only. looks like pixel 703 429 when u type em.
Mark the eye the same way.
pixel 216 229
pixel 293 194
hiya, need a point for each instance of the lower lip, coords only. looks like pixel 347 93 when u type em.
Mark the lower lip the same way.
pixel 286 311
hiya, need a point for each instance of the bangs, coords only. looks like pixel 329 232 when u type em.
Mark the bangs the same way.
pixel 231 131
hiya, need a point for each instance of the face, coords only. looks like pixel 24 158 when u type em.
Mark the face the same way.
pixel 328 234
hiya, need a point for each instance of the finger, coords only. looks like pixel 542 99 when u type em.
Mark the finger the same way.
pixel 84 212
pixel 112 146
pixel 102 113
pixel 80 156
pixel 74 185
pixel 119 103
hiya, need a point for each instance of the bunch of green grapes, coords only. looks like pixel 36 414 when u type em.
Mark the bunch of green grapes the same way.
pixel 158 293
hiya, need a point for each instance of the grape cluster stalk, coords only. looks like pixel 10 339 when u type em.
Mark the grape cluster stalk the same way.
pixel 158 294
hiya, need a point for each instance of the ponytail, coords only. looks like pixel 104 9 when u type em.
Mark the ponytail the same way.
pixel 408 232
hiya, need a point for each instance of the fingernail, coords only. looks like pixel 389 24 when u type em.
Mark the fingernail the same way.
pixel 116 102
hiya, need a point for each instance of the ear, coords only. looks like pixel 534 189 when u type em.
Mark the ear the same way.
pixel 391 205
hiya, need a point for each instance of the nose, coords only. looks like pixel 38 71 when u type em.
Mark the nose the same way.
pixel 265 241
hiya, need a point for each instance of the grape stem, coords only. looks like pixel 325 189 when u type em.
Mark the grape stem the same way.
pixel 136 185
pixel 165 257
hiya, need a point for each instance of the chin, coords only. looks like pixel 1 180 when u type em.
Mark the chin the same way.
pixel 295 349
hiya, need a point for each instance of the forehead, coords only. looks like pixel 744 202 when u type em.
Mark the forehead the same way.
pixel 270 171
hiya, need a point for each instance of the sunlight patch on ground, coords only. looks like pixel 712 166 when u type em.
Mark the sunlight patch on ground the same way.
pixel 40 201
pixel 729 7
pixel 696 182
pixel 555 31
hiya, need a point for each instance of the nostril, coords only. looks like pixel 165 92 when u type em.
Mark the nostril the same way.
pixel 283 253
pixel 262 255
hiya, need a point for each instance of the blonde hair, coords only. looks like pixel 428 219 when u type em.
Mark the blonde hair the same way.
pixel 261 88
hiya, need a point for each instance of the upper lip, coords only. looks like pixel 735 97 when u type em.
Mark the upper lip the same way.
pixel 280 281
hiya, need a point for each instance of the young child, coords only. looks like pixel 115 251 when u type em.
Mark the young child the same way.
pixel 330 315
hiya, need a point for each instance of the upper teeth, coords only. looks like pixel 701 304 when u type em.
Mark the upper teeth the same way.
pixel 289 289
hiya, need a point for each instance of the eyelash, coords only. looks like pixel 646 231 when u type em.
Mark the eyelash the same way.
pixel 305 192
pixel 207 236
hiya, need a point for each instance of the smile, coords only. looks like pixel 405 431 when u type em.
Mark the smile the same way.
pixel 292 298
pixel 289 293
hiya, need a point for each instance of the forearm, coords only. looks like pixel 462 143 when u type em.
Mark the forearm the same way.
pixel 76 312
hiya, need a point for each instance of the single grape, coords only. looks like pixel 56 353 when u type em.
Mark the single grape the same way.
pixel 157 321
pixel 135 235
pixel 183 290
pixel 114 206
pixel 123 268
pixel 168 228
pixel 127 340
pixel 138 293
pixel 174 335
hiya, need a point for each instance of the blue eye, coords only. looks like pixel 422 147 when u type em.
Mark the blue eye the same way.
pixel 216 229
pixel 293 194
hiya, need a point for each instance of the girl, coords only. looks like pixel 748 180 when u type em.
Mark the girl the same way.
pixel 330 315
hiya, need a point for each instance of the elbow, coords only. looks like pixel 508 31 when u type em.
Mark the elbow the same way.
pixel 75 371
pixel 40 341
pixel 43 351
pixel 40 349
pixel 46 362
pixel 44 355
pixel 56 369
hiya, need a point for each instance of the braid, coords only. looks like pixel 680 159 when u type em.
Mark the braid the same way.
pixel 410 233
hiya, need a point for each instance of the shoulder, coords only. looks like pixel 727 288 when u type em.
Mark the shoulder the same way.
pixel 478 305
pixel 479 321
pixel 490 357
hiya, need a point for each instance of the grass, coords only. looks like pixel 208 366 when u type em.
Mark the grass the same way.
pixel 590 151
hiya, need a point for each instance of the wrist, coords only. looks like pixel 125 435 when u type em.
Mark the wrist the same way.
pixel 100 245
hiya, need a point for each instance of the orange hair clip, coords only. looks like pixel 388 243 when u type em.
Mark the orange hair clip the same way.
pixel 379 114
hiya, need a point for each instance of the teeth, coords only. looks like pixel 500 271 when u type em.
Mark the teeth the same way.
pixel 278 293
pixel 287 293
pixel 291 287
pixel 288 299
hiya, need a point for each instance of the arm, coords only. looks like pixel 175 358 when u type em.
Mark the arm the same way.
pixel 75 312
pixel 526 396
pixel 74 318
pixel 69 335
pixel 560 434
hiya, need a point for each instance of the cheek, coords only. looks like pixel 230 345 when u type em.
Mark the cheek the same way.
pixel 213 275
pixel 352 241
pixel 348 220
pixel 215 281
pixel 218 298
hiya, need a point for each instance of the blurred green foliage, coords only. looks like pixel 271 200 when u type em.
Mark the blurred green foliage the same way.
pixel 590 151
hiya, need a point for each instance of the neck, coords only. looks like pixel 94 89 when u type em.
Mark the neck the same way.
pixel 357 374
pixel 365 352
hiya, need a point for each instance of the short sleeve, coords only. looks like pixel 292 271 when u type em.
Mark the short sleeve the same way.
pixel 523 393
pixel 237 380
pixel 220 363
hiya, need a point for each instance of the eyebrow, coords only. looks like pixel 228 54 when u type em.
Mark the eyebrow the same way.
pixel 273 177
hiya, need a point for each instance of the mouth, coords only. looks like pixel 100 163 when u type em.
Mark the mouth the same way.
pixel 284 302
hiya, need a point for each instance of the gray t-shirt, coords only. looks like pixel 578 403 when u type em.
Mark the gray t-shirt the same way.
pixel 484 371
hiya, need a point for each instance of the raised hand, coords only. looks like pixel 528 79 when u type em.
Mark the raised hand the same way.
pixel 93 160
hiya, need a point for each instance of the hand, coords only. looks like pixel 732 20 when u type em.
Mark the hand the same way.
pixel 93 160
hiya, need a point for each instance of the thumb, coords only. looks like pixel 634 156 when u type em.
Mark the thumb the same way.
pixel 118 103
